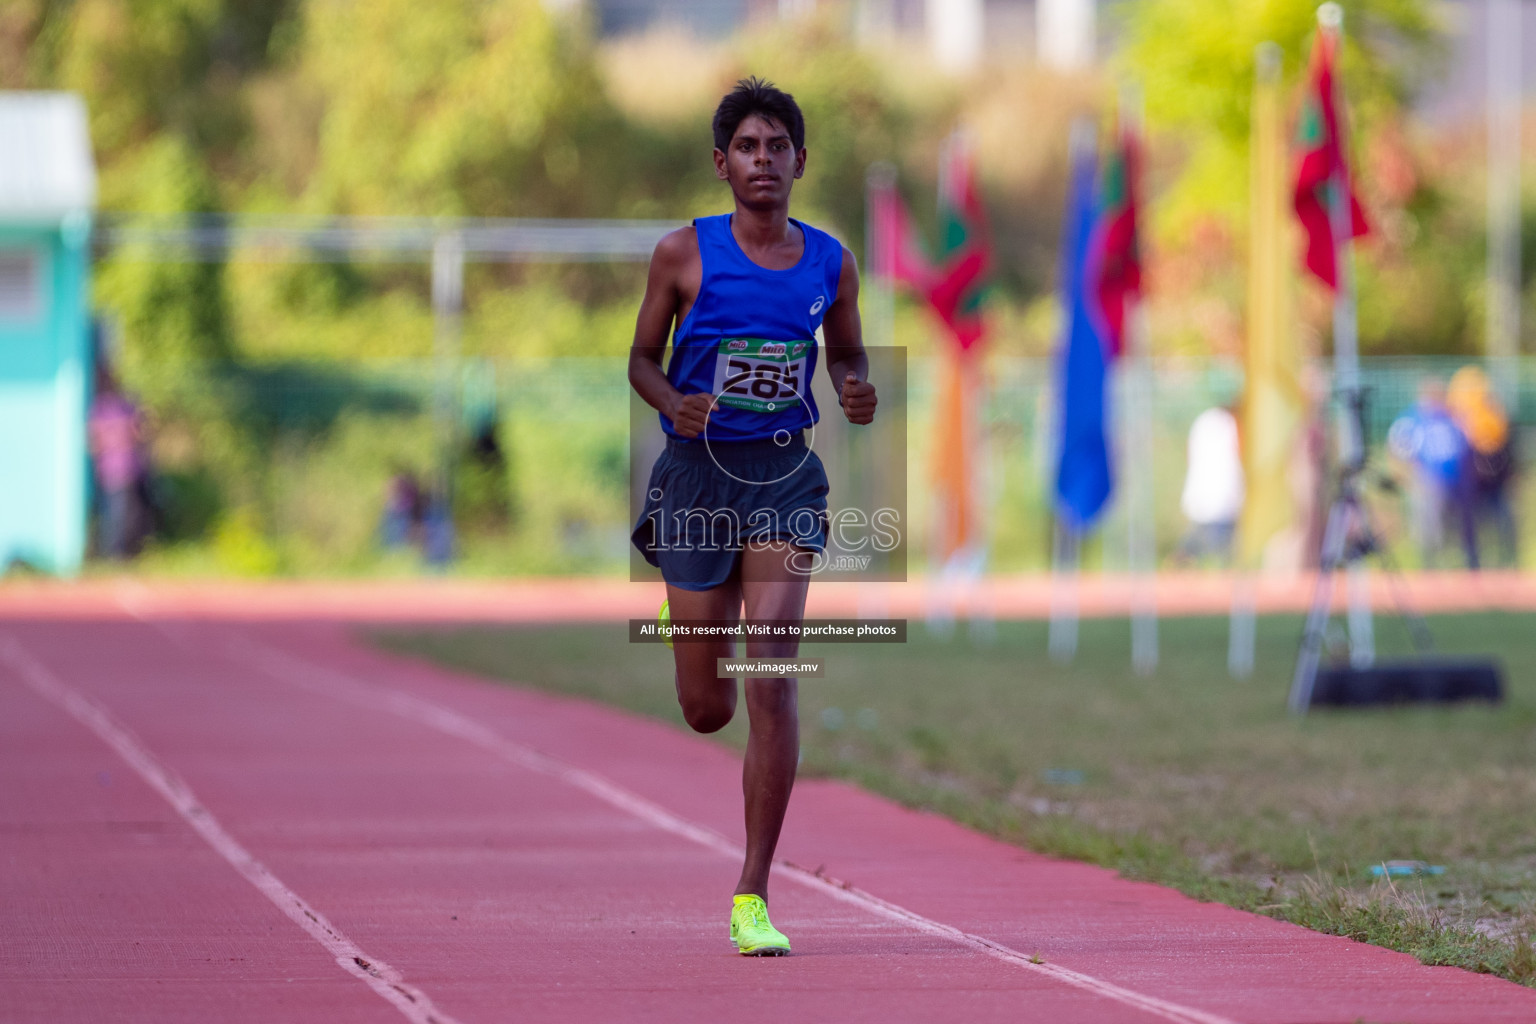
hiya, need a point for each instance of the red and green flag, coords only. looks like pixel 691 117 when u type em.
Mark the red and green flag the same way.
pixel 1320 137
pixel 898 251
pixel 965 247
pixel 954 284
pixel 1118 244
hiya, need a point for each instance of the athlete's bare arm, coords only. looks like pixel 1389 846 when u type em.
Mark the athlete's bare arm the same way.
pixel 843 337
pixel 670 290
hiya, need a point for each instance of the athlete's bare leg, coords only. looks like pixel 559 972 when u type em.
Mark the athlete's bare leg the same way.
pixel 771 589
pixel 708 701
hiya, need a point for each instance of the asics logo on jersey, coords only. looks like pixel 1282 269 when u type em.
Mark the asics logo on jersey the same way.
pixel 821 300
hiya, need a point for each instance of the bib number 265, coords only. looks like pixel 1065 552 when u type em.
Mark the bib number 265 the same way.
pixel 759 377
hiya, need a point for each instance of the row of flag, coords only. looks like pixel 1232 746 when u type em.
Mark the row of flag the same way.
pixel 1102 281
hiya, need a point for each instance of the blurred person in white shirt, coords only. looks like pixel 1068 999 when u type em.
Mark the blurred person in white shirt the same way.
pixel 1213 487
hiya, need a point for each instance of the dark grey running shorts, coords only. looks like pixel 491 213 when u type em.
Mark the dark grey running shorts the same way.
pixel 704 502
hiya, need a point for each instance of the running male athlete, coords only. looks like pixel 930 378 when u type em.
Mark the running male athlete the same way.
pixel 736 505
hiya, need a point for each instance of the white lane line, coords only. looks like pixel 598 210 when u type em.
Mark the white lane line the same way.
pixel 317 678
pixel 375 973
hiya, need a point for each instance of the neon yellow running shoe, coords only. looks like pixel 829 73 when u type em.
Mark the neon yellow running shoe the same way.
pixel 751 930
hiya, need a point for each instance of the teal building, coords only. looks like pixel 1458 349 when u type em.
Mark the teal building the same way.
pixel 47 195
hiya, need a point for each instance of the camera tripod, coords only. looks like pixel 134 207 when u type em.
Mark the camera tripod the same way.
pixel 1348 539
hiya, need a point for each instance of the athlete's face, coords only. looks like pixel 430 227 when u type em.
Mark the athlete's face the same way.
pixel 761 164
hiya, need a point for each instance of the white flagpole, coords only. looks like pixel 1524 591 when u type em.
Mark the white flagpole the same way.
pixel 1241 627
pixel 879 251
pixel 1066 551
pixel 1139 484
pixel 1346 353
pixel 1138 449
pixel 1066 560
pixel 880 328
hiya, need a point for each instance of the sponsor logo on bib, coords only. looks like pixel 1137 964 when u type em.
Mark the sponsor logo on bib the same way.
pixel 737 345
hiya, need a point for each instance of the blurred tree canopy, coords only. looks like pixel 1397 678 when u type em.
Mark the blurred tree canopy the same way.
pixel 507 108
pixel 175 313
pixel 1195 61
pixel 453 108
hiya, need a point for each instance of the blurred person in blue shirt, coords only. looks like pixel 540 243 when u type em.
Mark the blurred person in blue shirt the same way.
pixel 1481 416
pixel 1429 440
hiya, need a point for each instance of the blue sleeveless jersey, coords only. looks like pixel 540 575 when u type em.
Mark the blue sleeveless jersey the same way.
pixel 750 338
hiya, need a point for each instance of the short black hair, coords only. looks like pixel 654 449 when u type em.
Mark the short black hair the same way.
pixel 755 96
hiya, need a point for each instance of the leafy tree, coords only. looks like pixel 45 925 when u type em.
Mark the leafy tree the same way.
pixel 21 24
pixel 461 107
pixel 136 64
pixel 173 313
pixel 1195 61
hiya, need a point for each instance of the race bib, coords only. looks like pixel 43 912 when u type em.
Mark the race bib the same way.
pixel 760 376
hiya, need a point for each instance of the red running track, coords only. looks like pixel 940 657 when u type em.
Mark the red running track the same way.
pixel 221 821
